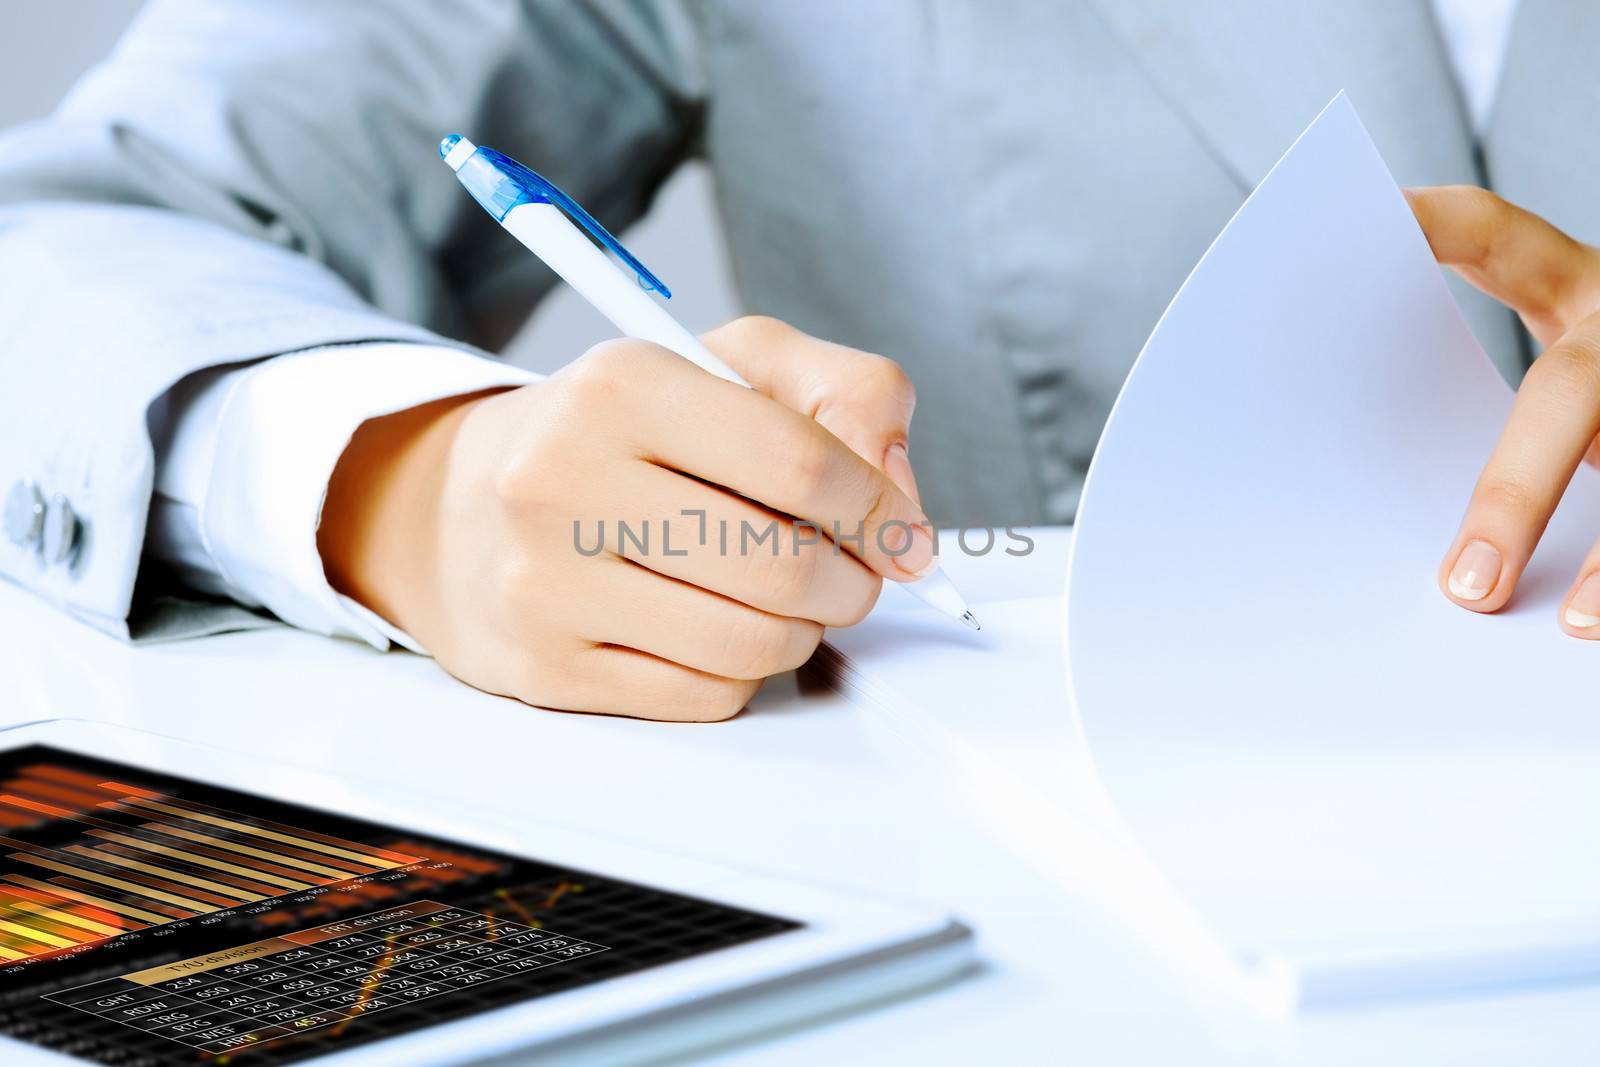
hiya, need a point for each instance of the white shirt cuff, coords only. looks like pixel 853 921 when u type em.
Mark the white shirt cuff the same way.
pixel 251 453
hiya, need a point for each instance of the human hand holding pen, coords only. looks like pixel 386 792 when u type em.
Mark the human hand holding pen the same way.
pixel 456 521
pixel 1553 282
pixel 587 256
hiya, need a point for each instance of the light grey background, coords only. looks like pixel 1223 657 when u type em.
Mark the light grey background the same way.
pixel 48 45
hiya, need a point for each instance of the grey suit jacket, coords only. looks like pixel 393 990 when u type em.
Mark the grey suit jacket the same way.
pixel 1002 196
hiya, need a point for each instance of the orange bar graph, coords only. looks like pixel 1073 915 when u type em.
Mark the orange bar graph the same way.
pixel 278 854
pixel 144 915
pixel 249 873
pixel 306 841
pixel 193 907
pixel 142 858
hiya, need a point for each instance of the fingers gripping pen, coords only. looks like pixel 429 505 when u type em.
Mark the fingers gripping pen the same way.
pixel 542 217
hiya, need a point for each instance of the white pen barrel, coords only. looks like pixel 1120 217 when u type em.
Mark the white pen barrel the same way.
pixel 617 295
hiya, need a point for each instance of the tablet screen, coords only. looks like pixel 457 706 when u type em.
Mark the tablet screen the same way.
pixel 148 919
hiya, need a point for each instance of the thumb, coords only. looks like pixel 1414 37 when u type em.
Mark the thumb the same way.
pixel 863 399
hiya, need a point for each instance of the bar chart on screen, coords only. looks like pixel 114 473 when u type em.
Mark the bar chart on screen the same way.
pixel 83 859
pixel 161 919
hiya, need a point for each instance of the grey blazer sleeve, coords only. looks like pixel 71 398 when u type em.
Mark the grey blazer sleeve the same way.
pixel 244 179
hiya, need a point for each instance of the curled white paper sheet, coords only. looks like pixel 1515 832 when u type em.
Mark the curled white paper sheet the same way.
pixel 1346 775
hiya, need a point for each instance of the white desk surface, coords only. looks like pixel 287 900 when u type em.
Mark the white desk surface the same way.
pixel 805 782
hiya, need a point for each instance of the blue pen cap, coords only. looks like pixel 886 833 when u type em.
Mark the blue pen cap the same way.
pixel 491 187
pixel 499 183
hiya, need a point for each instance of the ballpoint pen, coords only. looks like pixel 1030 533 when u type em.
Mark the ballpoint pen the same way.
pixel 541 216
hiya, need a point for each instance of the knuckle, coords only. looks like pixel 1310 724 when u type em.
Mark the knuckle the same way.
pixel 862 605
pixel 708 698
pixel 808 457
pixel 1485 200
pixel 888 377
pixel 1584 350
pixel 730 698
pixel 1509 495
pixel 530 478
pixel 1491 208
pixel 510 482
pixel 786 579
pixel 756 647
pixel 1487 216
pixel 757 329
pixel 881 504
pixel 600 375
pixel 1571 367
pixel 804 637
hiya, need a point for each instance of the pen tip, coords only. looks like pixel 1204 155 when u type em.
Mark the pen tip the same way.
pixel 971 620
pixel 448 143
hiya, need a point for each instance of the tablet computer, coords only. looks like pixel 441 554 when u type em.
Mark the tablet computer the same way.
pixel 164 903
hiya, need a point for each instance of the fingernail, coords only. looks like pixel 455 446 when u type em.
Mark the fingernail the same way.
pixel 919 559
pixel 1583 610
pixel 897 465
pixel 1475 572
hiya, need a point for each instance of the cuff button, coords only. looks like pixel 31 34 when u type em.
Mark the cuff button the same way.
pixel 24 514
pixel 59 537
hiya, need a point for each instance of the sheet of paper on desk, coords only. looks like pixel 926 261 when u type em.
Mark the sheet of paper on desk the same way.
pixel 933 678
pixel 990 711
pixel 1360 787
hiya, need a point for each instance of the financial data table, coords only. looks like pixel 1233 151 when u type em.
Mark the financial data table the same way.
pixel 323 976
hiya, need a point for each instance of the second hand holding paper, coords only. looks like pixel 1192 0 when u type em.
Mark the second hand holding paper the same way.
pixel 1355 781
